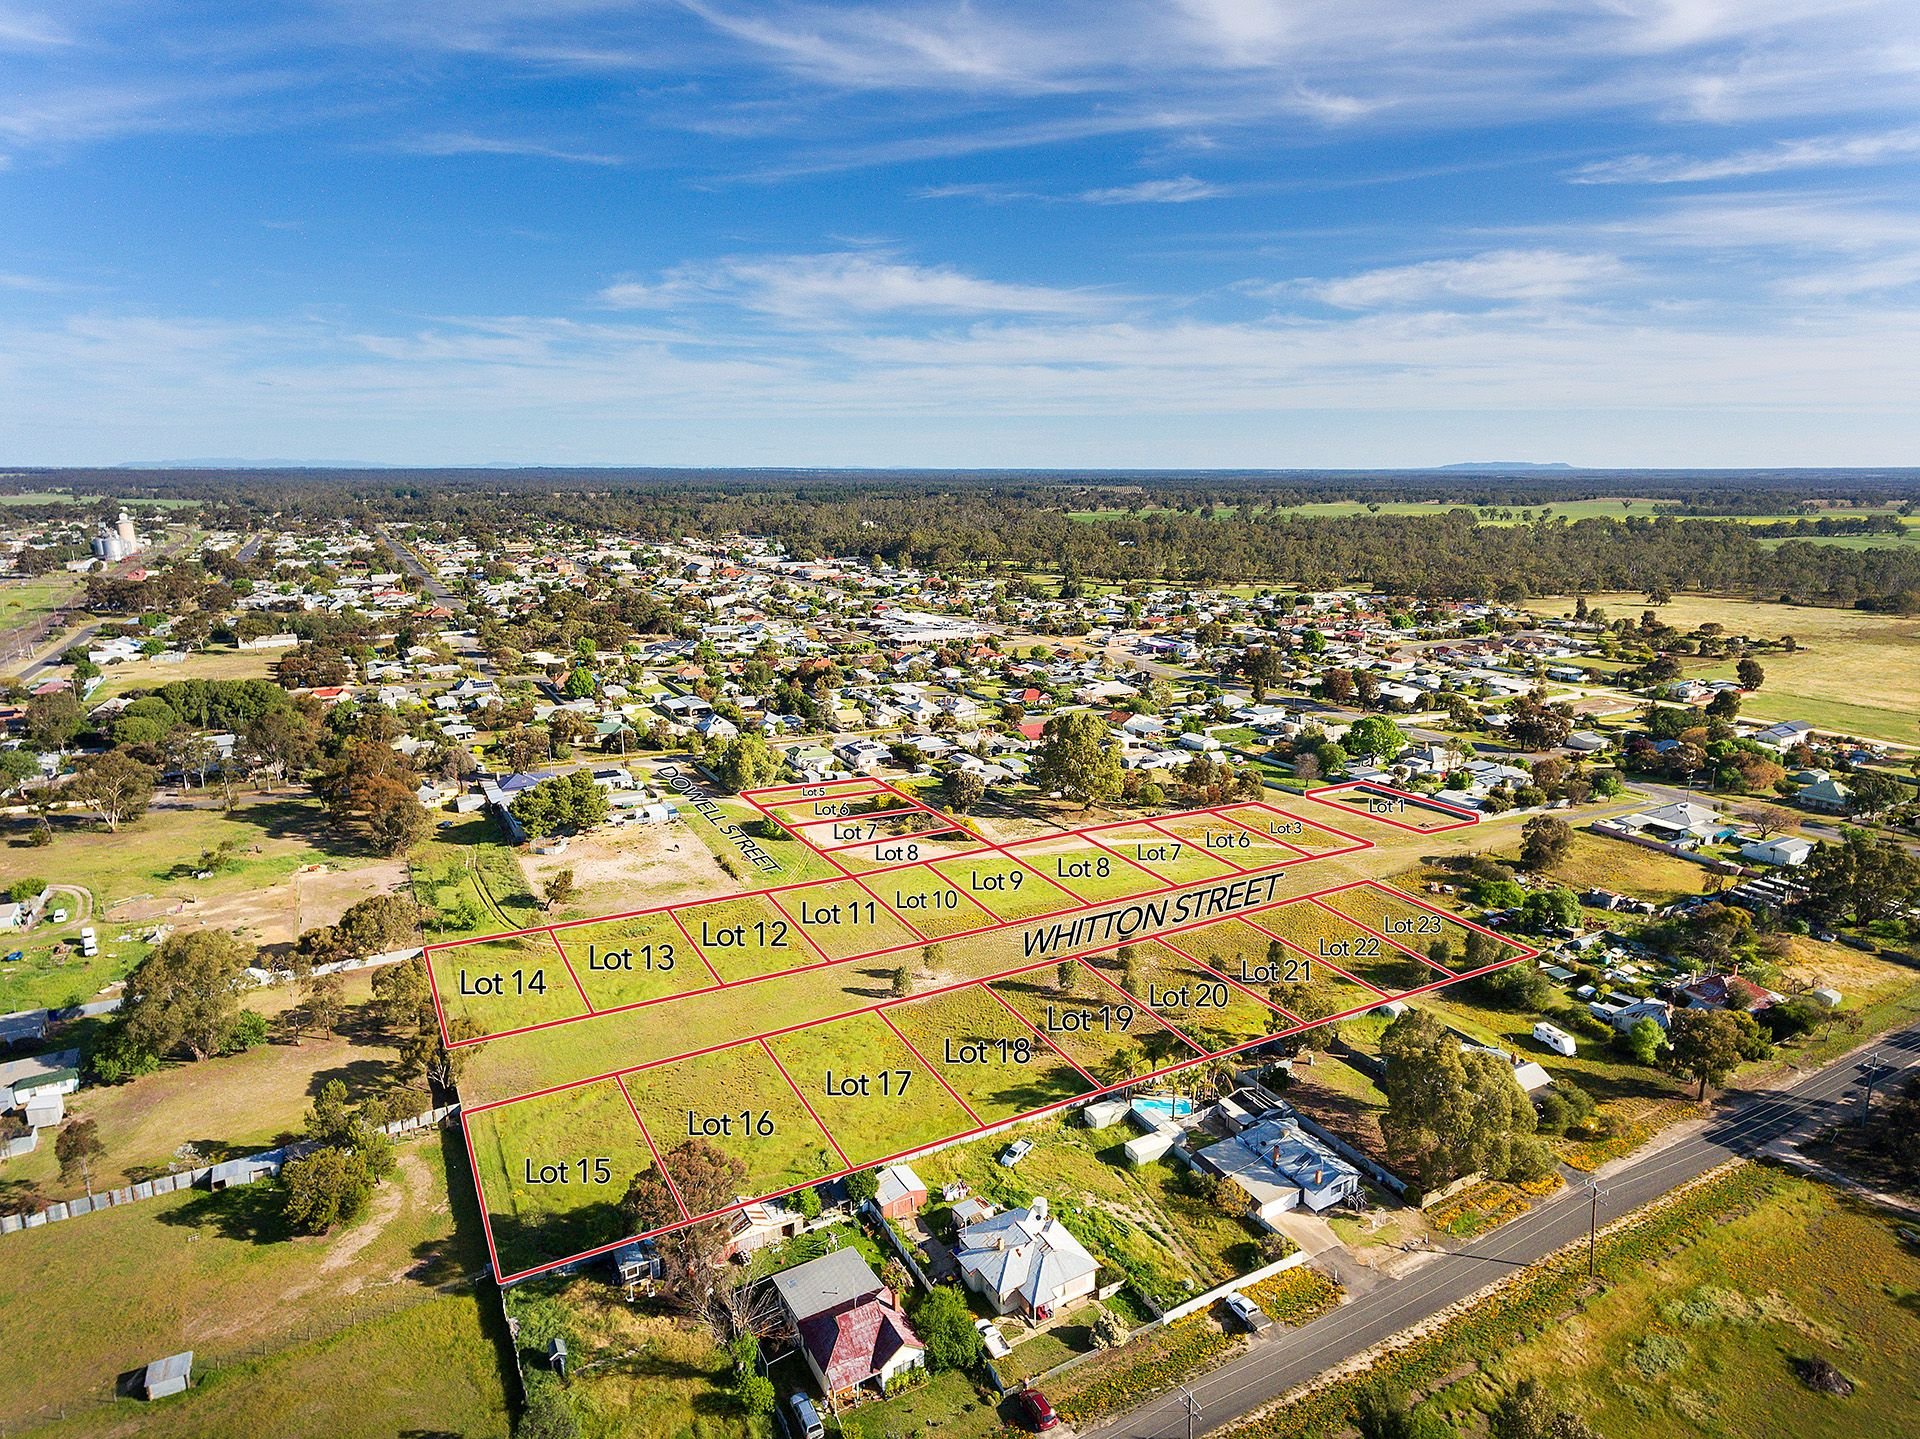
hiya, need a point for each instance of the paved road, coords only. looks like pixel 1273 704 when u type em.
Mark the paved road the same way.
pixel 1743 1125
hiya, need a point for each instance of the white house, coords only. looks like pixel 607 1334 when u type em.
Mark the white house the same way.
pixel 1279 1167
pixel 1781 850
pixel 1024 1261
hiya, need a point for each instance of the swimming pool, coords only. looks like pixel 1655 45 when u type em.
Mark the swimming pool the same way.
pixel 1164 1106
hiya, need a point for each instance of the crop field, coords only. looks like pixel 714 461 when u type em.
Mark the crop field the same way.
pixel 807 1030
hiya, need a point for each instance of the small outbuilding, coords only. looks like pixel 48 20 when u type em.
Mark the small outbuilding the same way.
pixel 900 1193
pixel 167 1376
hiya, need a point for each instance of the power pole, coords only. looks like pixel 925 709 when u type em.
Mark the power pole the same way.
pixel 1594 1192
pixel 1193 1408
pixel 1872 1066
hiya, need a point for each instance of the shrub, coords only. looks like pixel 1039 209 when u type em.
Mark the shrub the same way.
pixel 248 1030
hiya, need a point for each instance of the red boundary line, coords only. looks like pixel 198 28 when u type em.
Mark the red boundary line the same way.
pixel 804 1104
pixel 1467 817
pixel 652 1148
pixel 1321 959
pixel 579 988
pixel 1097 1091
pixel 1133 999
pixel 1040 1033
pixel 914 1050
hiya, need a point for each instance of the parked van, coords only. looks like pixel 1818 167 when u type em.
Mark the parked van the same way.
pixel 806 1419
pixel 89 945
pixel 1555 1038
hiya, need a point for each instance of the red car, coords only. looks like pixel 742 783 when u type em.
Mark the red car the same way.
pixel 1039 1413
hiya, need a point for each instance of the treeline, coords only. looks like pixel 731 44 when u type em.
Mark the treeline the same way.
pixel 1172 529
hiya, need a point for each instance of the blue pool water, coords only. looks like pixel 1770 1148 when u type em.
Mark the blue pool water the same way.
pixel 1166 1105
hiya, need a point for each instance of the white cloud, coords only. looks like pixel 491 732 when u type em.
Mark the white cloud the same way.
pixel 1497 276
pixel 470 144
pixel 1177 191
pixel 842 285
pixel 1818 153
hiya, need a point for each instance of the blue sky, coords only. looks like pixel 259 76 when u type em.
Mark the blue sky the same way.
pixel 1197 233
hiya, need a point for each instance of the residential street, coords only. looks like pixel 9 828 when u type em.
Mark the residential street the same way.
pixel 1744 1124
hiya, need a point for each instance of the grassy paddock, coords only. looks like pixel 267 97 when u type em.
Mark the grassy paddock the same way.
pixel 219 1274
pixel 1853 672
pixel 1703 1305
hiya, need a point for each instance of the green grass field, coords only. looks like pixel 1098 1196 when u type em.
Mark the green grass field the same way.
pixel 930 901
pixel 554 1168
pixel 1107 1034
pixel 1006 887
pixel 1704 1340
pixel 1175 860
pixel 26 599
pixel 870 1091
pixel 1086 872
pixel 638 1372
pixel 1853 672
pixel 992 1060
pixel 1191 998
pixel 503 984
pixel 627 961
pixel 1596 862
pixel 738 1101
pixel 217 1273
pixel 842 920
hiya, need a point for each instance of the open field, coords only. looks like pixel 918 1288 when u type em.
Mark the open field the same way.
pixel 1854 672
pixel 26 599
pixel 226 1106
pixel 1596 862
pixel 221 664
pixel 1704 1339
pixel 268 890
pixel 218 1274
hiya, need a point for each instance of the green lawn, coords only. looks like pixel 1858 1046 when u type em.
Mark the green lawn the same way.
pixel 217 1273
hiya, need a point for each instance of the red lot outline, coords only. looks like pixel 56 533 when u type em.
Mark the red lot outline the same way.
pixel 985 983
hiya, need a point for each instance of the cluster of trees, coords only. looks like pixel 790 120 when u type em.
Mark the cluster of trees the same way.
pixel 1453 1112
pixel 334 1180
pixel 1198 529
pixel 564 804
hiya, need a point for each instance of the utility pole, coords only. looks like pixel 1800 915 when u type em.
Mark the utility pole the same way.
pixel 1594 1192
pixel 1872 1066
pixel 1193 1408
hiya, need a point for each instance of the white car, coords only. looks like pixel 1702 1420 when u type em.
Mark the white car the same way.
pixel 1015 1152
pixel 59 916
pixel 990 1335
pixel 1248 1313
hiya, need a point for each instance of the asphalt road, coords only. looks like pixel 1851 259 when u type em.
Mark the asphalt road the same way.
pixel 1744 1125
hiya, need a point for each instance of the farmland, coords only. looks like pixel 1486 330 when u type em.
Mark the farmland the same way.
pixel 1852 672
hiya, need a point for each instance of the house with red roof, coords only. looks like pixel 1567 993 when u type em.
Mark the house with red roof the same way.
pixel 1728 991
pixel 850 1326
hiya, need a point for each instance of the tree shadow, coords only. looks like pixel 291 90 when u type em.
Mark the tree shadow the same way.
pixel 251 1213
pixel 363 1077
pixel 293 819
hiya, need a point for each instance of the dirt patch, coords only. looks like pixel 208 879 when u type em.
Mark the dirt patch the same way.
pixel 322 894
pixel 633 868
